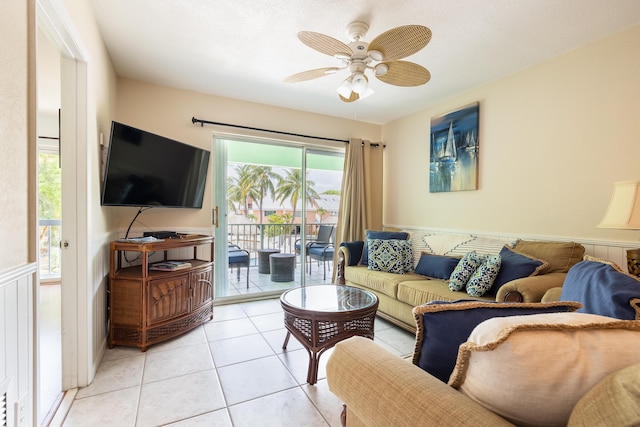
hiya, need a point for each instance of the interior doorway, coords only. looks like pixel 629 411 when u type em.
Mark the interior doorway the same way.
pixel 54 22
pixel 50 391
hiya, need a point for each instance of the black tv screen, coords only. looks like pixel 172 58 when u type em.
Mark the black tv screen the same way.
pixel 144 169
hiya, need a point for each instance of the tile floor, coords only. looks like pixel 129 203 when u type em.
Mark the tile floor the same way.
pixel 231 371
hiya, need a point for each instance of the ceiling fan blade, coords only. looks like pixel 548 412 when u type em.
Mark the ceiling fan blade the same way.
pixel 405 73
pixel 401 42
pixel 354 97
pixel 310 74
pixel 323 43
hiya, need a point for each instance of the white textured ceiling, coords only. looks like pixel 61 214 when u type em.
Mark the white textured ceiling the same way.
pixel 245 48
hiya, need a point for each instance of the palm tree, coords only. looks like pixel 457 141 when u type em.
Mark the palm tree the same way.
pixel 290 187
pixel 243 188
pixel 262 178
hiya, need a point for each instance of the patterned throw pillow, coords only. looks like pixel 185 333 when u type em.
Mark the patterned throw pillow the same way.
pixel 482 279
pixel 463 271
pixel 390 255
pixel 373 234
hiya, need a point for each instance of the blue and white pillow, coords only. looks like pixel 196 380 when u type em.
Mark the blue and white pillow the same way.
pixel 390 255
pixel 482 279
pixel 373 234
pixel 463 271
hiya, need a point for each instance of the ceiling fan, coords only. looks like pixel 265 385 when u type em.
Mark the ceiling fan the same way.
pixel 382 55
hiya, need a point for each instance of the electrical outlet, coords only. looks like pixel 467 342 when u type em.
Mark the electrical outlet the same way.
pixel 22 412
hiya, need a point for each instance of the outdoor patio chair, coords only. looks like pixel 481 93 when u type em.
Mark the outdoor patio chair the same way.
pixel 239 257
pixel 321 252
pixel 321 247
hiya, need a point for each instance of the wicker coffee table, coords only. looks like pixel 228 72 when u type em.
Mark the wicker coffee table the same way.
pixel 322 315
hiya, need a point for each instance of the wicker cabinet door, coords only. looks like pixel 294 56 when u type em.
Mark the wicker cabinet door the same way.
pixel 202 288
pixel 167 298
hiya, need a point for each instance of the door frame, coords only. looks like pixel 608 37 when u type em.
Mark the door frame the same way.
pixel 54 20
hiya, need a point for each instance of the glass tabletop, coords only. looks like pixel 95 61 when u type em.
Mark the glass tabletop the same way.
pixel 328 298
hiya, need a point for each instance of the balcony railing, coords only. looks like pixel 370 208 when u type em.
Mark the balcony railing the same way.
pixel 49 248
pixel 260 236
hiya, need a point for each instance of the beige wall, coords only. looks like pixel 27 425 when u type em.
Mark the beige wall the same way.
pixel 168 112
pixel 15 180
pixel 553 139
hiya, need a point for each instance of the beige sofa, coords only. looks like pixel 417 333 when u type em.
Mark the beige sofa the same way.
pixel 399 293
pixel 381 389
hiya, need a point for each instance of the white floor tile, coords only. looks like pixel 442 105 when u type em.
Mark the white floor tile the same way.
pixel 219 418
pixel 239 349
pixel 115 375
pixel 287 408
pixel 276 339
pixel 175 362
pixel 227 312
pixel 268 322
pixel 179 398
pixel 249 380
pixel 116 408
pixel 229 329
pixel 327 403
pixel 231 371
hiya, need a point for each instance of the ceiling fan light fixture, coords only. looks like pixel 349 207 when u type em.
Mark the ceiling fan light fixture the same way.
pixel 345 88
pixel 376 55
pixel 380 69
pixel 359 83
pixel 367 92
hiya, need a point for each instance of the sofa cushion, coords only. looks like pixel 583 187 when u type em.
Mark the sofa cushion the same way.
pixel 417 292
pixel 603 288
pixel 436 266
pixel 516 265
pixel 532 370
pixel 380 281
pixel 443 326
pixel 614 401
pixel 373 234
pixel 463 271
pixel 561 256
pixel 482 279
pixel 390 255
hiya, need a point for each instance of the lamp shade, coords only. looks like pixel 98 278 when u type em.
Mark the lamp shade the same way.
pixel 624 208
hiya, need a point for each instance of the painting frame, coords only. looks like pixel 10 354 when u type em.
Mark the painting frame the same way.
pixel 453 150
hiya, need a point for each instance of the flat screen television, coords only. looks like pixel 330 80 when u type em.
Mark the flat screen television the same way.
pixel 144 169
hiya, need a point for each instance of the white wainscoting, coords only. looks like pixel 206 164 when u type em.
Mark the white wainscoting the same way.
pixel 611 250
pixel 17 335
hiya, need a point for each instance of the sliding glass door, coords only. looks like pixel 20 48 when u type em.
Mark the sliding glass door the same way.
pixel 272 197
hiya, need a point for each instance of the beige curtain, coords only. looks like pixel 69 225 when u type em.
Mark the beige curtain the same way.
pixel 361 194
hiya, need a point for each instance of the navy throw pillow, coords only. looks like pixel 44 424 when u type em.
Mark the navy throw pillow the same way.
pixel 442 326
pixel 355 251
pixel 603 288
pixel 436 266
pixel 516 265
pixel 383 235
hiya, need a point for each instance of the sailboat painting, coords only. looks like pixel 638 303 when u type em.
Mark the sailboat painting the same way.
pixel 454 151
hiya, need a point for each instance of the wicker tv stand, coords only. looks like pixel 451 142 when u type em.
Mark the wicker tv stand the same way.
pixel 147 306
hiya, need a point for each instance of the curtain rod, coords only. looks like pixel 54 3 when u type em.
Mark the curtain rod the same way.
pixel 203 122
